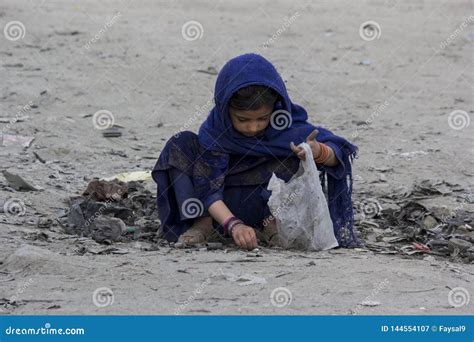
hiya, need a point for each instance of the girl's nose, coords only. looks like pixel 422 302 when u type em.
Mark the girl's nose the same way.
pixel 253 129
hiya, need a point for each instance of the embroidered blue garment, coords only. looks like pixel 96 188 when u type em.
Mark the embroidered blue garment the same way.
pixel 222 164
pixel 217 134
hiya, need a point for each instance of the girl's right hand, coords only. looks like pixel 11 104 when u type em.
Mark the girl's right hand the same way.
pixel 244 236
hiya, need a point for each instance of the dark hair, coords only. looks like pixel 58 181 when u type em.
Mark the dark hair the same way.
pixel 253 97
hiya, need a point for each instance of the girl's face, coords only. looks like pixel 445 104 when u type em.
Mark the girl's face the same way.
pixel 251 122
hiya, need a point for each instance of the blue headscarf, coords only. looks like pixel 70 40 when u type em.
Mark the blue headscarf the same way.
pixel 218 134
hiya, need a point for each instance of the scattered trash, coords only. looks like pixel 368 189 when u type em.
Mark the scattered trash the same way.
pixel 16 140
pixel 214 245
pixel 13 65
pixel 210 71
pixel 131 176
pixel 107 229
pixel 110 211
pixel 409 155
pixel 44 222
pixel 370 303
pixel 99 190
pixel 13 120
pixel 255 253
pixel 111 132
pixel 244 280
pixel 179 245
pixel 118 153
pixel 67 33
pixel 53 307
pixel 103 251
pixel 408 226
pixel 43 161
pixel 18 183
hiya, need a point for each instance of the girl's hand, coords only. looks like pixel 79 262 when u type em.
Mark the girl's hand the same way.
pixel 244 236
pixel 311 141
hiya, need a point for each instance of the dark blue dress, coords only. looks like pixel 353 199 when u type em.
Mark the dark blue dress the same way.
pixel 181 169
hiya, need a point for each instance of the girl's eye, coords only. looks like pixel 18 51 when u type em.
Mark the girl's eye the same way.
pixel 264 118
pixel 242 120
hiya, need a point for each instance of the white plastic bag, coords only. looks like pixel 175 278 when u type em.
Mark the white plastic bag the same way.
pixel 301 210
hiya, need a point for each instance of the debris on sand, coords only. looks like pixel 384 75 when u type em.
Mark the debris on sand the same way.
pixel 243 280
pixel 98 190
pixel 131 176
pixel 407 225
pixel 16 140
pixel 18 183
pixel 110 211
pixel 111 132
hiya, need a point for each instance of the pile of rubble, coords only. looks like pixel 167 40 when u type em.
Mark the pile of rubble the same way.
pixel 110 211
pixel 407 226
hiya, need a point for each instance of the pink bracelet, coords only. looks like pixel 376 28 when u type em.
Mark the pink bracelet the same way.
pixel 230 223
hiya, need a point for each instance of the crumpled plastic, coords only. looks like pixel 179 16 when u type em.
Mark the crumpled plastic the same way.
pixel 301 210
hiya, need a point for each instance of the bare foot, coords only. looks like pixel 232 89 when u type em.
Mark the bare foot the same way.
pixel 199 232
pixel 269 234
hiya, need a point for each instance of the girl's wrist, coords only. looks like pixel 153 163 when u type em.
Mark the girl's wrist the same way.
pixel 230 223
pixel 324 154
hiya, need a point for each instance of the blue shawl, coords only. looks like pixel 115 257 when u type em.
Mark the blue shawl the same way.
pixel 217 134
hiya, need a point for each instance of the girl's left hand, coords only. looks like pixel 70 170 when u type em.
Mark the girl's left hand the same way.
pixel 311 141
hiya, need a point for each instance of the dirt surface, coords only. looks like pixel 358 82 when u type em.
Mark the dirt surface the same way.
pixel 393 96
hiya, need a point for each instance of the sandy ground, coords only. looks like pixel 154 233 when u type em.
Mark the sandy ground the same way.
pixel 392 96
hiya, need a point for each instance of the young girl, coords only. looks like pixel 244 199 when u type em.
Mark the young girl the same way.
pixel 215 183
